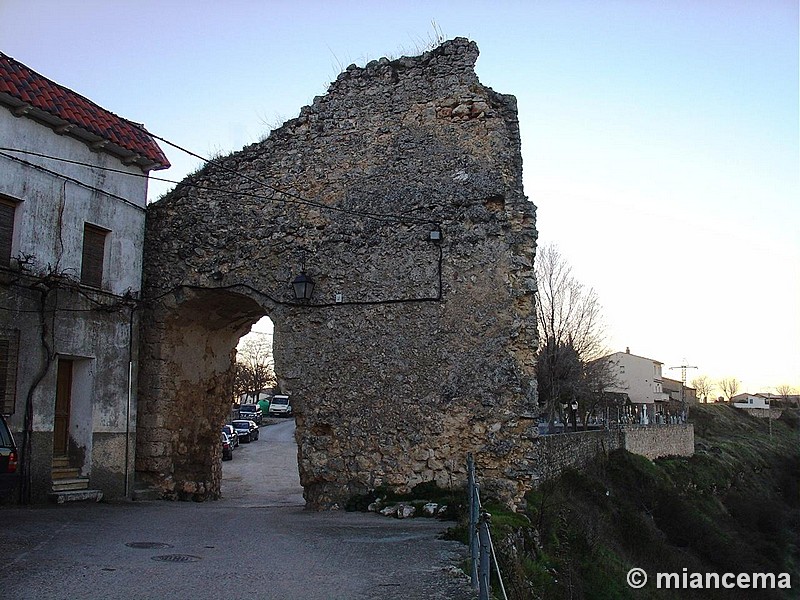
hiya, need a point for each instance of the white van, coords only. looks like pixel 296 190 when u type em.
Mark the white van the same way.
pixel 280 406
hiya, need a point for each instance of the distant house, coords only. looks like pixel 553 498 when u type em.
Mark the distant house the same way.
pixel 781 400
pixel 72 212
pixel 679 394
pixel 750 401
pixel 640 380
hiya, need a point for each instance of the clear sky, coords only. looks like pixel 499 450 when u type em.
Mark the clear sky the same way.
pixel 659 139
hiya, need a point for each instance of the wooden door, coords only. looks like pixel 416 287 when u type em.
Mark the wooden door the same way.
pixel 63 401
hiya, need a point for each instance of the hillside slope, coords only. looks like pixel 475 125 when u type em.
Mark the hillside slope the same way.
pixel 734 507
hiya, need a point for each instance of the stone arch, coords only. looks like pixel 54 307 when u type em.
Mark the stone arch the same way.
pixel 416 348
pixel 186 366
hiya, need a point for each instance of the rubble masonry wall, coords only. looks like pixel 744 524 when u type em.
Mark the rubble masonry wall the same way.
pixel 412 352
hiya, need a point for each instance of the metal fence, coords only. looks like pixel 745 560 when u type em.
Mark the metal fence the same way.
pixel 481 548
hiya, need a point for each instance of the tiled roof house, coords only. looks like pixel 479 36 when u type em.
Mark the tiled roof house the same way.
pixel 27 93
pixel 73 207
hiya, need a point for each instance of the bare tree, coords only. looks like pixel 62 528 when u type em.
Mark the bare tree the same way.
pixel 785 391
pixel 704 387
pixel 571 335
pixel 254 368
pixel 567 311
pixel 729 387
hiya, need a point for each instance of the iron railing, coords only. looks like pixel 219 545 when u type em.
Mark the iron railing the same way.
pixel 481 548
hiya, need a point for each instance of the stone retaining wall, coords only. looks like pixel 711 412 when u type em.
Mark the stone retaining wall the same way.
pixel 763 413
pixel 551 454
pixel 656 441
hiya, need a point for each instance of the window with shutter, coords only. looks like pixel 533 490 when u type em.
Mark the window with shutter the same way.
pixel 9 349
pixel 94 248
pixel 7 210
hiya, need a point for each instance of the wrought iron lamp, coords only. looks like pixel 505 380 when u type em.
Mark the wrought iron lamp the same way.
pixel 303 287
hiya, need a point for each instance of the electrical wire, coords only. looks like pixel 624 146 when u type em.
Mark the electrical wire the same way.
pixel 290 197
pixel 295 197
pixel 118 302
pixel 234 286
pixel 77 182
pixel 85 164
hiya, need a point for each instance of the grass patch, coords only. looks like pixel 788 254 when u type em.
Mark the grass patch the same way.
pixel 733 507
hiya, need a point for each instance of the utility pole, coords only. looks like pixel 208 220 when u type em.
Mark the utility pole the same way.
pixel 683 369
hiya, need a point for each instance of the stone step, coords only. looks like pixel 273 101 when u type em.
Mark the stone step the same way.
pixel 76 496
pixel 60 462
pixel 72 484
pixel 65 473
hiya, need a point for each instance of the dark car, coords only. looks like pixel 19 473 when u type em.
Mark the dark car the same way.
pixel 232 435
pixel 9 476
pixel 227 448
pixel 247 430
pixel 252 412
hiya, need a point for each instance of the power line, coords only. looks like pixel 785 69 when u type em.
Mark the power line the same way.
pixel 85 164
pixel 683 369
pixel 291 198
pixel 77 182
pixel 276 301
pixel 296 197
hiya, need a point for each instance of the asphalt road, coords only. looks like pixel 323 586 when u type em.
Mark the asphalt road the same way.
pixel 264 473
pixel 258 542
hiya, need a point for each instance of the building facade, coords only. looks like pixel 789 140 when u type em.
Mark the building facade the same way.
pixel 681 397
pixel 641 380
pixel 72 214
pixel 756 401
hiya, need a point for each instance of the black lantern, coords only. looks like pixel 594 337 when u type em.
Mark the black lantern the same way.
pixel 303 287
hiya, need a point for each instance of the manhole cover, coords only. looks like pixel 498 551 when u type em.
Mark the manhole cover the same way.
pixel 181 558
pixel 148 545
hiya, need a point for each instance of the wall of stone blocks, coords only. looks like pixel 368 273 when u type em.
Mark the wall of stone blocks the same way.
pixel 549 455
pixel 761 413
pixel 657 441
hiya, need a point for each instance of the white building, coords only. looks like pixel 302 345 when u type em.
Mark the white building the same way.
pixel 73 189
pixel 639 379
pixel 750 401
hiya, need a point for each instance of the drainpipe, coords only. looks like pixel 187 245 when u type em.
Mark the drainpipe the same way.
pixel 128 407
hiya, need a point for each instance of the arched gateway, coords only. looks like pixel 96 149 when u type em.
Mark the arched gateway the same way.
pixel 401 197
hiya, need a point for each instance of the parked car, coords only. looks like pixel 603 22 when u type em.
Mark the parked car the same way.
pixel 9 475
pixel 232 435
pixel 252 412
pixel 280 406
pixel 247 429
pixel 227 448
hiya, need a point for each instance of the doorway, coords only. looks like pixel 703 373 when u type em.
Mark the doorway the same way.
pixel 265 472
pixel 62 409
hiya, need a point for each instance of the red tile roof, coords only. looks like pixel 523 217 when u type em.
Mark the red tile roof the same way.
pixel 26 90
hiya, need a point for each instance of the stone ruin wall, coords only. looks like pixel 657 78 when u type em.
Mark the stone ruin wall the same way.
pixel 430 353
